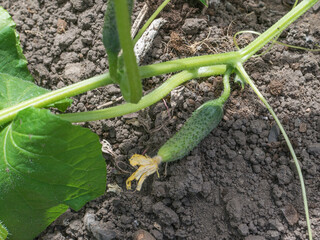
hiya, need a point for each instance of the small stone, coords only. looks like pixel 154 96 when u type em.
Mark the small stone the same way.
pixel 76 225
pixel 142 235
pixel 73 72
pixel 243 229
pixel 54 236
pixel 234 209
pixel 81 5
pixel 273 235
pixel 61 25
pixel 274 134
pixel 291 214
pixel 112 89
pixel 126 219
pixel 240 138
pixel 255 237
pixel 193 25
pixel 66 39
pixel 165 214
pixel 316 7
pixel 284 175
pixel 258 154
pixel 303 127
pixel 314 148
pixel 157 234
pixel 256 169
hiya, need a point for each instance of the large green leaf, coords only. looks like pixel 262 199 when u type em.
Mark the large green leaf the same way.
pixel 46 165
pixel 12 60
pixel 14 90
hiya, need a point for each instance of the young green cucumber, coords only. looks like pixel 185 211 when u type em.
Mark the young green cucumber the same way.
pixel 196 128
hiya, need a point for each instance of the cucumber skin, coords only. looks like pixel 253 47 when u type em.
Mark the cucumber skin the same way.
pixel 195 129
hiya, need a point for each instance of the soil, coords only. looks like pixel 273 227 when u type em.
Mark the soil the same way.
pixel 240 182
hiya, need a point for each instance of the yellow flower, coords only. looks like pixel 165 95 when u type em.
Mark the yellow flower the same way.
pixel 147 167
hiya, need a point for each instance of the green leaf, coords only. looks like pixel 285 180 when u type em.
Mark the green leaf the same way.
pixel 46 165
pixel 12 60
pixel 14 90
pixel 204 2
pixel 3 232
pixel 239 79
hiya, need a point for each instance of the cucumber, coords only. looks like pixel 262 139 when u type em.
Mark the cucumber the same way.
pixel 110 36
pixel 196 128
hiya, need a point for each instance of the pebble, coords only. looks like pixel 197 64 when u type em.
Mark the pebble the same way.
pixel 142 235
pixel 243 229
pixel 254 237
pixel 240 138
pixel 273 235
pixel 291 214
pixel 157 234
pixel 73 72
pixel 192 25
pixel 314 148
pixel 165 214
pixel 303 127
pixel 284 175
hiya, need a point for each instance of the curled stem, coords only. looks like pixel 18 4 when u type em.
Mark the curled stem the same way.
pixel 296 162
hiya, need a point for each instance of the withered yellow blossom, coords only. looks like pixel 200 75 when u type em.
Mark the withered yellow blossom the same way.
pixel 147 167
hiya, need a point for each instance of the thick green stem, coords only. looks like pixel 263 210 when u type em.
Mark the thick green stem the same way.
pixel 276 29
pixel 303 189
pixel 132 72
pixel 9 113
pixel 147 100
pixel 146 25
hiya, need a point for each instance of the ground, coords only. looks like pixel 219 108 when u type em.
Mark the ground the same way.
pixel 240 182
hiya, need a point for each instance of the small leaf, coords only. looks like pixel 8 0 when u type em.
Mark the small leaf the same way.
pixel 3 232
pixel 204 2
pixel 14 90
pixel 46 165
pixel 238 79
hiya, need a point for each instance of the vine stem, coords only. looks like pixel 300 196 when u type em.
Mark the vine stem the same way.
pixel 148 99
pixel 134 84
pixel 245 76
pixel 229 58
